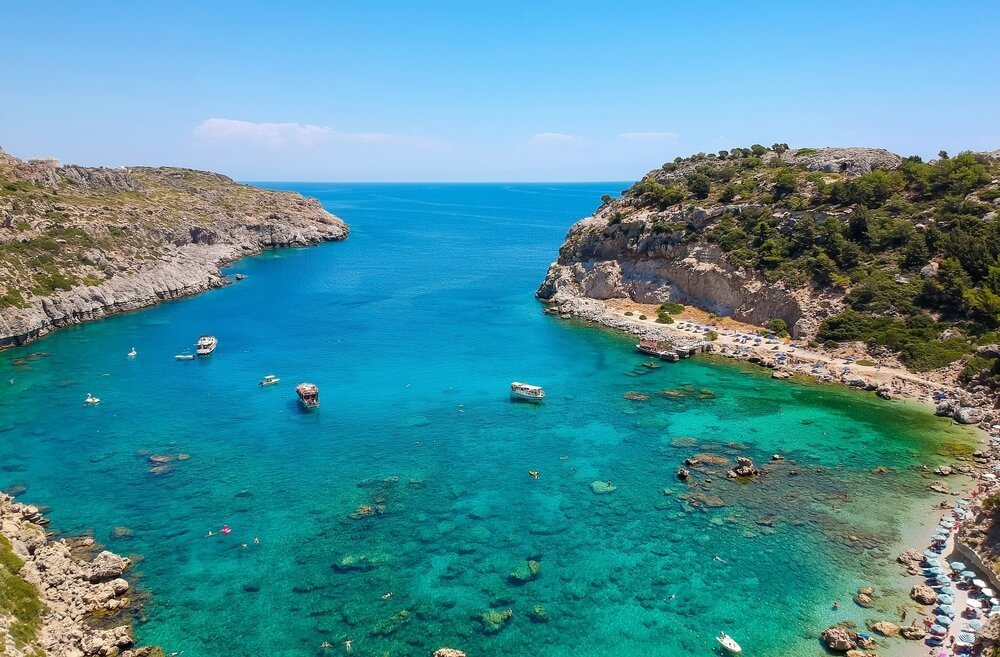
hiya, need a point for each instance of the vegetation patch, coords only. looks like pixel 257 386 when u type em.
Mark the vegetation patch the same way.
pixel 18 598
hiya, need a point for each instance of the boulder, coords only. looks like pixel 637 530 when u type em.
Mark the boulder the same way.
pixel 525 572
pixel 448 652
pixel 855 381
pixel 885 392
pixel 780 374
pixel 885 628
pixel 913 633
pixel 107 566
pixel 863 600
pixel 967 415
pixel 923 594
pixel 939 487
pixel 838 639
pixel 910 557
pixel 943 470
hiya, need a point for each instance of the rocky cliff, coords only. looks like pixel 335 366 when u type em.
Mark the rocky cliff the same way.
pixel 753 234
pixel 56 597
pixel 80 243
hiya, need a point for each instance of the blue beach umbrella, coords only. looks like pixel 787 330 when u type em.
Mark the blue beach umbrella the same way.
pixel 966 637
pixel 961 502
pixel 946 599
pixel 968 574
pixel 938 629
pixel 976 625
pixel 936 570
pixel 946 609
pixel 943 620
pixel 958 565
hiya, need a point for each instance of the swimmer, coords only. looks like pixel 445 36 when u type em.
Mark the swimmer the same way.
pixel 210 533
pixel 325 645
pixel 672 596
pixel 347 645
pixel 719 559
pixel 225 529
pixel 836 605
pixel 563 458
pixel 256 541
pixel 387 595
pixel 244 546
pixel 461 408
pixel 533 473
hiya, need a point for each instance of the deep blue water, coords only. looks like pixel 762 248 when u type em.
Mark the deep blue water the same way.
pixel 413 329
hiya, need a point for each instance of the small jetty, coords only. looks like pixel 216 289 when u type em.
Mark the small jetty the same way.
pixel 670 352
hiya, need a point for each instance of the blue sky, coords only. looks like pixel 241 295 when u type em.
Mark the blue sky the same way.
pixel 471 91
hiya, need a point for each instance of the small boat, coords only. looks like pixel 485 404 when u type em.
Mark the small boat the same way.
pixel 269 380
pixel 184 356
pixel 308 394
pixel 526 391
pixel 91 400
pixel 132 353
pixel 206 345
pixel 728 643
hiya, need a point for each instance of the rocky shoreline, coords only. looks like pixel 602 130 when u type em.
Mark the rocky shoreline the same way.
pixel 84 601
pixel 969 407
pixel 79 244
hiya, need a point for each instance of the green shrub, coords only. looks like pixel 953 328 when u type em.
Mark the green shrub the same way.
pixel 711 336
pixel 629 313
pixel 672 307
pixel 18 598
pixel 643 317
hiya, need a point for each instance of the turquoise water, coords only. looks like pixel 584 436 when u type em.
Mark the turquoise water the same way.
pixel 413 329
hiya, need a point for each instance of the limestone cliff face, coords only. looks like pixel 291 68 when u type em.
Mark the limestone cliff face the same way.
pixel 629 260
pixel 630 250
pixel 80 243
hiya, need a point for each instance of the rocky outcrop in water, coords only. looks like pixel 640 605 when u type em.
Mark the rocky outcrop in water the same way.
pixel 73 591
pixel 79 243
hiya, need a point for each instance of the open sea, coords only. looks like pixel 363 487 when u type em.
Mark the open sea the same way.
pixel 412 478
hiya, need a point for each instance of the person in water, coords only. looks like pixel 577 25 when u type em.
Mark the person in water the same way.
pixel 347 645
pixel 225 529
pixel 325 645
pixel 210 533
pixel 256 541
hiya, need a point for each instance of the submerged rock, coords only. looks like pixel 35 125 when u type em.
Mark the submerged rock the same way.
pixel 602 487
pixel 885 628
pixel 448 652
pixel 538 614
pixel 494 621
pixel 939 487
pixel 525 572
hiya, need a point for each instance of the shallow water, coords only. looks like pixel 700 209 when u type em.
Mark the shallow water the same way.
pixel 413 329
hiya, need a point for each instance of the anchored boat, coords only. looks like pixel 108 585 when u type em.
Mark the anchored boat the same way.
pixel 206 345
pixel 269 380
pixel 729 643
pixel 308 394
pixel 527 392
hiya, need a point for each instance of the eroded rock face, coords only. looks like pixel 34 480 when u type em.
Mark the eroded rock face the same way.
pixel 142 235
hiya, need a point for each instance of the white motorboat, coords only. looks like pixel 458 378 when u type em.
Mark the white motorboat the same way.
pixel 132 353
pixel 728 643
pixel 269 380
pixel 184 356
pixel 526 391
pixel 206 345
pixel 91 400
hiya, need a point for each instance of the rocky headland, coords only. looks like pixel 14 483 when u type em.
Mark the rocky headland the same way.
pixel 79 243
pixel 856 254
pixel 59 598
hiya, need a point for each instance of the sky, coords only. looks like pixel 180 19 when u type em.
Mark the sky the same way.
pixel 554 90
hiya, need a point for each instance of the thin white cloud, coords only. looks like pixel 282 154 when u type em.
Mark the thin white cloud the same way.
pixel 281 135
pixel 554 138
pixel 648 137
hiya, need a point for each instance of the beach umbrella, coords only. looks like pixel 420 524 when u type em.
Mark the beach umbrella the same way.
pixel 947 609
pixel 939 629
pixel 975 625
pixel 946 599
pixel 930 554
pixel 987 592
pixel 975 604
pixel 962 502
pixel 943 620
pixel 958 565
pixel 936 570
pixel 968 574
pixel 979 584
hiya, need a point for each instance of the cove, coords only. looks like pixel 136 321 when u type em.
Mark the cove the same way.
pixel 412 478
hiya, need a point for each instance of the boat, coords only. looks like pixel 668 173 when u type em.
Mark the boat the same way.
pixel 91 400
pixel 184 356
pixel 269 380
pixel 308 394
pixel 657 350
pixel 206 345
pixel 526 391
pixel 132 353
pixel 728 643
